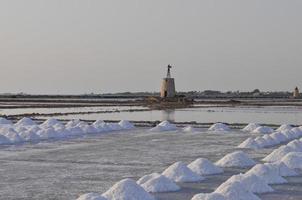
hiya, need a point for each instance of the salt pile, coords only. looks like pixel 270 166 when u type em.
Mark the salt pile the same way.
pixel 29 136
pixel 91 196
pixel 250 127
pixel 4 140
pixel 236 159
pixel 160 184
pixel 51 122
pixel 235 191
pixel 127 189
pixel 278 154
pixel 4 121
pixel 283 170
pixel 219 127
pixel 126 125
pixel 293 160
pixel 289 135
pixel 296 145
pixel 249 143
pixel 203 166
pixel 262 142
pixel 284 127
pixel 12 135
pixel 278 136
pixel 263 130
pixel 146 178
pixel 270 141
pixel 297 132
pixel 179 172
pixel 164 126
pixel 250 182
pixel 25 122
pixel 210 196
pixel 189 129
pixel 268 174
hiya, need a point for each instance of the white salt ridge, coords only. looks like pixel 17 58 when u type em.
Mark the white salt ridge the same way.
pixel 236 159
pixel 283 170
pixel 270 140
pixel 263 130
pixel 189 129
pixel 297 132
pixel 278 136
pixel 235 191
pixel 219 127
pixel 293 160
pixel 296 145
pixel 250 182
pixel 164 126
pixel 160 184
pixel 179 172
pixel 249 143
pixel 29 136
pixel 289 135
pixel 4 121
pixel 25 122
pixel 127 189
pixel 146 178
pixel 210 196
pixel 271 176
pixel 278 154
pixel 4 140
pixel 91 196
pixel 12 135
pixel 51 122
pixel 262 142
pixel 203 166
pixel 126 125
pixel 285 127
pixel 250 127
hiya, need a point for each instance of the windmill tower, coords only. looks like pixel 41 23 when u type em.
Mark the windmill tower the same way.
pixel 168 85
pixel 296 93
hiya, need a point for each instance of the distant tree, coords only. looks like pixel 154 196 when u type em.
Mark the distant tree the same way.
pixel 256 91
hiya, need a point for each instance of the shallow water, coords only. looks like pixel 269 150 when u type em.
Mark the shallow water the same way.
pixel 65 169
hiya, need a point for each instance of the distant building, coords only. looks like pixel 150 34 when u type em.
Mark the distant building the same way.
pixel 168 86
pixel 296 93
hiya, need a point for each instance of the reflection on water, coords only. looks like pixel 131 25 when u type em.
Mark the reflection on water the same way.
pixel 168 115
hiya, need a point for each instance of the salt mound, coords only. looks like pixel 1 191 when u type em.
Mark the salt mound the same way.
pixel 74 131
pixel 4 140
pixel 88 129
pixel 91 196
pixel 270 141
pixel 236 159
pixel 251 182
pixel 12 135
pixel 4 121
pixel 29 136
pixel 249 143
pixel 219 127
pixel 296 145
pixel 126 125
pixel 114 127
pixel 284 127
pixel 179 172
pixel 235 191
pixel 50 122
pixel 250 127
pixel 160 184
pixel 278 154
pixel 146 178
pixel 164 126
pixel 283 170
pixel 210 196
pixel 25 122
pixel 189 129
pixel 278 136
pixel 203 166
pixel 48 133
pixel 268 174
pixel 297 132
pixel 263 130
pixel 73 123
pixel 98 122
pixel 293 160
pixel 262 142
pixel 127 189
pixel 289 135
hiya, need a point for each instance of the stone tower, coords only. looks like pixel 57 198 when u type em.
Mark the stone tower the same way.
pixel 296 93
pixel 168 85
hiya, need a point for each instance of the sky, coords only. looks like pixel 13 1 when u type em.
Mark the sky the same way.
pixel 100 46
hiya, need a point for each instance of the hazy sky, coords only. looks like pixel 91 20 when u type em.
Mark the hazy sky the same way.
pixel 73 46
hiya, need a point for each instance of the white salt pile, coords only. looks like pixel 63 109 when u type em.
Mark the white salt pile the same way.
pixel 25 122
pixel 179 172
pixel 261 142
pixel 189 129
pixel 210 196
pixel 269 140
pixel 249 143
pixel 91 196
pixel 160 184
pixel 285 127
pixel 289 135
pixel 278 136
pixel 219 127
pixel 203 166
pixel 4 139
pixel 250 182
pixel 164 126
pixel 293 160
pixel 263 130
pixel 269 175
pixel 250 127
pixel 4 121
pixel 283 170
pixel 278 154
pixel 126 125
pixel 146 178
pixel 12 135
pixel 29 136
pixel 236 159
pixel 51 122
pixel 235 191
pixel 297 132
pixel 296 145
pixel 127 189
